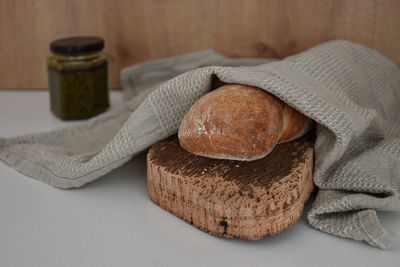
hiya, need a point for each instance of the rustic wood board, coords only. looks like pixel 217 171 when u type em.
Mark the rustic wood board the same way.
pixel 227 198
pixel 140 30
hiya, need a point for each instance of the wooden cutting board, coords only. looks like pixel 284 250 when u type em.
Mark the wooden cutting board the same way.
pixel 245 199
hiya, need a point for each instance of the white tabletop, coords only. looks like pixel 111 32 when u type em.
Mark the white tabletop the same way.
pixel 112 222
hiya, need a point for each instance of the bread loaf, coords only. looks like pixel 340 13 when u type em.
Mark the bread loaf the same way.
pixel 295 124
pixel 239 122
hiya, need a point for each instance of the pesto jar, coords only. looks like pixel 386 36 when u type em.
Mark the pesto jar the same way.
pixel 78 77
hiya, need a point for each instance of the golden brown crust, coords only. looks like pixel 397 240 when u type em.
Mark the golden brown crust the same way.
pixel 239 122
pixel 232 122
pixel 295 124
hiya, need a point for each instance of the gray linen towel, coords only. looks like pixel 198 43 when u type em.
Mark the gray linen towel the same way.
pixel 352 92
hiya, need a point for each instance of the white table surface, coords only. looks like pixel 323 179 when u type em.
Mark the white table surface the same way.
pixel 112 222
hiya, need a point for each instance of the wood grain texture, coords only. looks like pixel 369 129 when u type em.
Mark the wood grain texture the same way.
pixel 227 198
pixel 139 30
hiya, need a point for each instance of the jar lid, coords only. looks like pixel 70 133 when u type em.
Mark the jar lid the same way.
pixel 77 45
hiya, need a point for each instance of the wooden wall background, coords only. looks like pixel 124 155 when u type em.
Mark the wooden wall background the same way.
pixel 139 30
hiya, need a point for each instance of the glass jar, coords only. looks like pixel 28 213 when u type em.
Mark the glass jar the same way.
pixel 78 79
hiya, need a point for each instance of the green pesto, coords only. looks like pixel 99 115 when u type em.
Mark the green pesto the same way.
pixel 78 88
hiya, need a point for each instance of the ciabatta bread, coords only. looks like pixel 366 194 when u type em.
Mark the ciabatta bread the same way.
pixel 239 122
